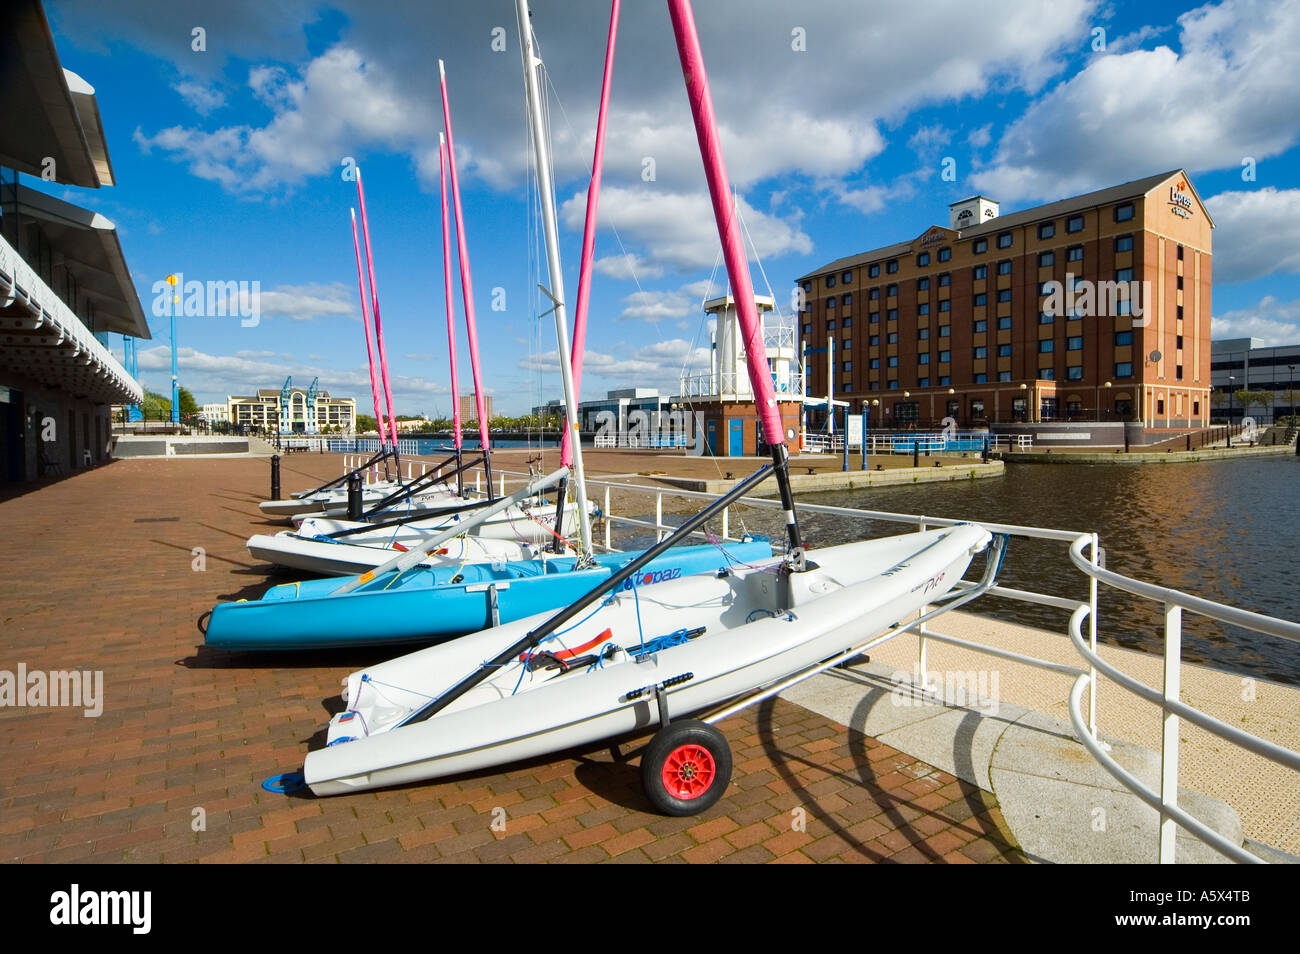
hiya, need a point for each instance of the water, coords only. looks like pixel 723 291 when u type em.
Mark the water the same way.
pixel 1224 530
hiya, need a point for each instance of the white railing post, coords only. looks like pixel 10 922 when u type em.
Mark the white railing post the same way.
pixel 726 522
pixel 1092 637
pixel 1169 740
pixel 503 483
pixel 477 488
pixel 659 516
pixel 922 678
pixel 608 519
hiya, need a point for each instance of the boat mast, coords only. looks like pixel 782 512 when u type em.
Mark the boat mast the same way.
pixel 760 375
pixel 365 320
pixel 541 151
pixel 374 308
pixel 451 320
pixel 466 283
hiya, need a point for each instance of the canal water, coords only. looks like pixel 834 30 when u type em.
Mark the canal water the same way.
pixel 1224 530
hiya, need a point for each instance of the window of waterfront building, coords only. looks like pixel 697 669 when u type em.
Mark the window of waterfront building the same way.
pixel 1004 351
pixel 875 363
pixel 1178 372
pixel 1004 267
pixel 874 317
pixel 892 361
pixel 923 260
pixel 945 254
pixel 807 286
pixel 1124 369
pixel 1123 338
pixel 807 329
pixel 1179 281
pixel 1180 253
pixel 848 365
pixel 953 407
pixel 1178 342
pixel 1074 253
pixel 1074 223
pixel 892 338
pixel 847 344
pixel 846 277
pixel 981 299
pixel 1046 230
pixel 980 246
pixel 1196 407
pixel 944 380
pixel 945 356
pixel 1123 274
pixel 1124 213
pixel 1046 318
pixel 945 305
pixel 1123 243
pixel 830 302
pixel 1044 288
pixel 981 271
pixel 945 279
pixel 873 271
pixel 923 358
pixel 981 351
pixel 1046 374
pixel 847 299
pixel 893 385
pixel 981 378
pixel 980 326
pixel 830 281
pixel 1074 343
pixel 1046 346
pixel 923 308
pixel 1004 240
pixel 1074 372
pixel 922 334
pixel 848 323
pixel 1004 323
pixel 891 266
pixel 891 314
pixel 891 291
pixel 1004 375
pixel 945 331
pixel 874 386
pixel 922 382
pixel 1076 283
pixel 1046 259
pixel 874 341
pixel 1004 294
pixel 923 284
pixel 830 325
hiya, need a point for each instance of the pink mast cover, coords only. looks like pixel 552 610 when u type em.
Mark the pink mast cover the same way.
pixel 466 283
pixel 706 129
pixel 589 229
pixel 365 320
pixel 374 307
pixel 446 283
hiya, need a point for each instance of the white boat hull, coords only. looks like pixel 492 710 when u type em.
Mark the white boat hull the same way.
pixel 293 552
pixel 760 627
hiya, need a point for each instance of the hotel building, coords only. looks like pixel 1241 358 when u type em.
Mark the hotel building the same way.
pixel 308 411
pixel 1094 308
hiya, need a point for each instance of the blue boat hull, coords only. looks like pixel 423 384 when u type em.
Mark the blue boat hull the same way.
pixel 431 604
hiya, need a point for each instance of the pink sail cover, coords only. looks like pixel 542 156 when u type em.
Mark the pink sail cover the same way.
pixel 365 321
pixel 466 284
pixel 715 169
pixel 446 284
pixel 374 307
pixel 589 230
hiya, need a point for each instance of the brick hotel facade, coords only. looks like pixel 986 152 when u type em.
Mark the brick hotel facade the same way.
pixel 959 321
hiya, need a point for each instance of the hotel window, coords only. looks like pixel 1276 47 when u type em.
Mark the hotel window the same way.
pixel 873 271
pixel 944 381
pixel 891 291
pixel 891 314
pixel 875 363
pixel 979 246
pixel 981 352
pixel 1004 375
pixel 848 365
pixel 1178 372
pixel 1074 253
pixel 830 302
pixel 1004 351
pixel 1004 240
pixel 891 266
pixel 1046 346
pixel 807 286
pixel 981 271
pixel 981 378
pixel 848 322
pixel 891 338
pixel 1124 213
pixel 846 344
pixel 1074 223
pixel 923 308
pixel 945 254
pixel 1004 323
pixel 873 295
pixel 945 331
pixel 1046 318
pixel 874 386
pixel 1124 369
pixel 1123 339
pixel 1178 343
pixel 1046 259
pixel 1180 253
pixel 830 325
pixel 846 277
pixel 847 299
pixel 923 334
pixel 1180 281
pixel 1004 267
pixel 945 279
pixel 874 341
pixel 807 329
pixel 923 260
pixel 1123 274
pixel 1046 374
pixel 874 317
pixel 1004 294
pixel 1124 306
pixel 1074 372
pixel 945 305
pixel 892 361
pixel 923 358
pixel 830 281
pixel 1074 343
pixel 1123 243
pixel 1046 230
pixel 923 284
pixel 1045 288
pixel 945 357
pixel 981 326
pixel 1196 407
pixel 923 382
pixel 981 299
pixel 893 385
pixel 1180 312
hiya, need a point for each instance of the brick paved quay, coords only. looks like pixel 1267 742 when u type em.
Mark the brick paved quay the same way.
pixel 101 576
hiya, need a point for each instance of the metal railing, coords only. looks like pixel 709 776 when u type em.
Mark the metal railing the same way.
pixel 927 442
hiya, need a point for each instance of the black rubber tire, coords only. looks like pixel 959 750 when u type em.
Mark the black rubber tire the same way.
pixel 666 741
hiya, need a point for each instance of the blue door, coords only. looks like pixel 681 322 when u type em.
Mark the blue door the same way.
pixel 735 437
pixel 713 438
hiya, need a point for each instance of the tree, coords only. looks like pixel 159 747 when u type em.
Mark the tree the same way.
pixel 188 405
pixel 366 423
pixel 155 406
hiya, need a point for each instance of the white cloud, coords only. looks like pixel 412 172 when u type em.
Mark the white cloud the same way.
pixel 305 302
pixel 980 137
pixel 1232 92
pixel 1275 323
pixel 655 365
pixel 1256 233
pixel 627 267
pixel 203 99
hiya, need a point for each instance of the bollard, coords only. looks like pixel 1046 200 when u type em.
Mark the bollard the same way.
pixel 354 497
pixel 275 476
pixel 916 453
pixel 984 454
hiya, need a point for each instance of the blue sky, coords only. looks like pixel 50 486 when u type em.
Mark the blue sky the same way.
pixel 836 120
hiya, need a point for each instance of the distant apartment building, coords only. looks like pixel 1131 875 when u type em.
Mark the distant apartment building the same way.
pixel 298 413
pixel 216 413
pixel 65 286
pixel 469 407
pixel 1244 364
pixel 1093 308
